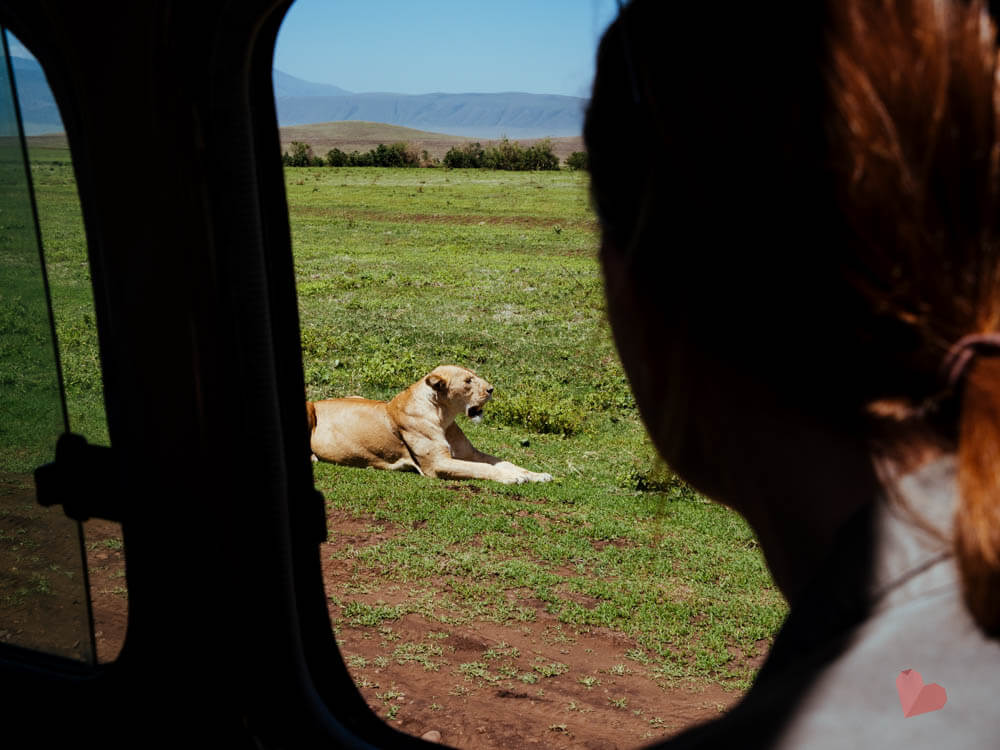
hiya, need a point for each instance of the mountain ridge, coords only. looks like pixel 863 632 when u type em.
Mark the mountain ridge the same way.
pixel 490 116
pixel 300 102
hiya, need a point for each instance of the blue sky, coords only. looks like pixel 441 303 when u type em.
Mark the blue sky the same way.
pixel 453 46
pixel 16 48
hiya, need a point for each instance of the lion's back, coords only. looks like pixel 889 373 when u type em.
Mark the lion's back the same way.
pixel 355 431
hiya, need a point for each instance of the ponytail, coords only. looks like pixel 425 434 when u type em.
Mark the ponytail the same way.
pixel 915 159
pixel 977 518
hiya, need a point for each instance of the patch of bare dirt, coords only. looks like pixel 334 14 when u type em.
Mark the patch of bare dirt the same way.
pixel 108 593
pixel 43 603
pixel 480 684
pixel 580 691
pixel 484 684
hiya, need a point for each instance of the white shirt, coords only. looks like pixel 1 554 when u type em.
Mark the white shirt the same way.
pixel 888 600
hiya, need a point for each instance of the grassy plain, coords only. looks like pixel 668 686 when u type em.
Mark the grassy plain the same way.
pixel 41 584
pixel 30 408
pixel 69 278
pixel 401 270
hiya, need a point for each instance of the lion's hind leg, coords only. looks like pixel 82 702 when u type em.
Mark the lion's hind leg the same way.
pixel 403 464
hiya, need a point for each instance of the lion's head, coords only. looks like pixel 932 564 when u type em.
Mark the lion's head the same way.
pixel 461 390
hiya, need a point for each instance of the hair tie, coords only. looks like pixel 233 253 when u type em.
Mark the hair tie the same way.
pixel 961 354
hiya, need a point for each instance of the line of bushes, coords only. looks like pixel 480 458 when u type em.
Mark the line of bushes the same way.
pixel 394 155
pixel 509 155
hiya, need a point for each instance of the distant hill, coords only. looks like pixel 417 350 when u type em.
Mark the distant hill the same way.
pixel 484 116
pixel 38 107
pixel 351 135
pixel 287 86
pixel 300 102
pixel 364 136
pixel 347 136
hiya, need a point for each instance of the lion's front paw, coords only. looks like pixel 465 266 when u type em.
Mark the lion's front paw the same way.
pixel 514 474
pixel 512 479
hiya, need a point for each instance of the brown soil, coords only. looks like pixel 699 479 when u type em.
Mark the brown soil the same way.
pixel 43 604
pixel 364 136
pixel 42 593
pixel 500 685
pixel 526 222
pixel 469 711
pixel 482 684
pixel 108 594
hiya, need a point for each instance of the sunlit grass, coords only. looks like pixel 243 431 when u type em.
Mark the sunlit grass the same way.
pixel 401 270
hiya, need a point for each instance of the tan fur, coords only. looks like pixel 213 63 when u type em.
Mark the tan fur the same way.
pixel 415 431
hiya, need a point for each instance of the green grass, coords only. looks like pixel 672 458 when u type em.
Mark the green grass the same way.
pixel 72 295
pixel 30 410
pixel 401 270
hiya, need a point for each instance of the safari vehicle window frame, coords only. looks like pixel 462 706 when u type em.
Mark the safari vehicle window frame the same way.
pixel 85 650
pixel 221 141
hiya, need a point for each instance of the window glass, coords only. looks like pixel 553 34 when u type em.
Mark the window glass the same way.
pixel 44 599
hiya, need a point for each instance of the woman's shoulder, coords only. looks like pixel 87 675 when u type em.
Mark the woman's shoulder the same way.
pixel 847 695
pixel 888 601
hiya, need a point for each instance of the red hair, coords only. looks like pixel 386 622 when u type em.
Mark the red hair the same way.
pixel 914 144
pixel 861 152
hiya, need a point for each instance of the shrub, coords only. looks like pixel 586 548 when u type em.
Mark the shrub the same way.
pixel 301 155
pixel 367 159
pixel 410 156
pixel 655 476
pixel 383 156
pixel 577 160
pixel 540 156
pixel 337 158
pixel 396 155
pixel 539 412
pixel 469 156
pixel 507 155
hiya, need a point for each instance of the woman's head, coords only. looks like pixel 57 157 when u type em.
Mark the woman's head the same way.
pixel 799 209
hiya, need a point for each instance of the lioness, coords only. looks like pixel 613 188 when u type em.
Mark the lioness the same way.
pixel 415 431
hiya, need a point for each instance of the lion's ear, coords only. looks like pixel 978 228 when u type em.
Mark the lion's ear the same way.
pixel 438 383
